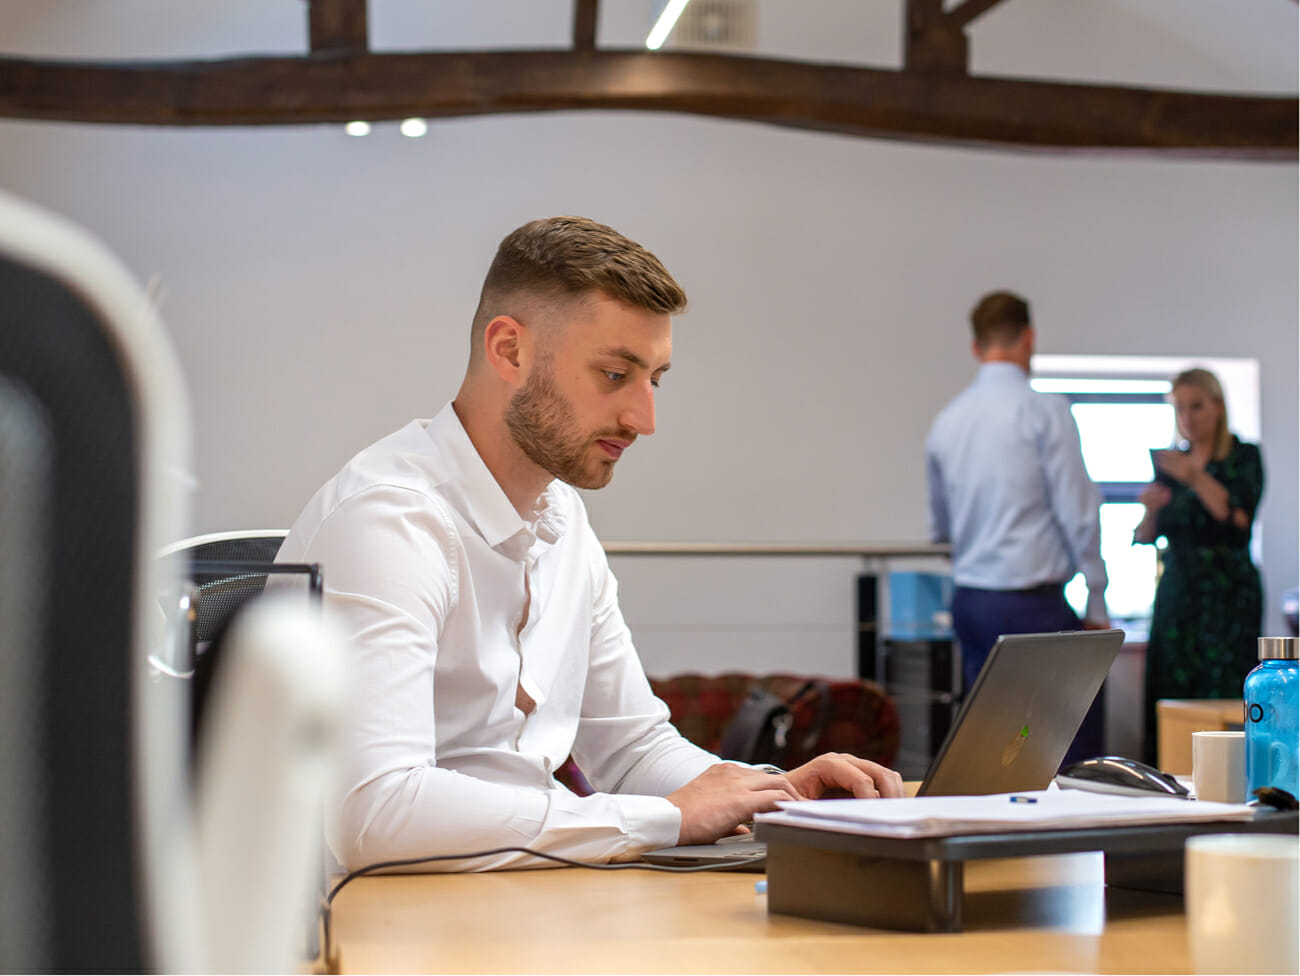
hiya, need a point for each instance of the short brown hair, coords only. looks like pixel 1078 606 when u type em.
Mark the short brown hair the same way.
pixel 999 319
pixel 559 257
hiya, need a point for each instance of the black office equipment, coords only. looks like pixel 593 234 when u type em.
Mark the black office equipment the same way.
pixel 105 863
pixel 95 430
pixel 921 675
pixel 922 679
pixel 1117 774
pixel 25 882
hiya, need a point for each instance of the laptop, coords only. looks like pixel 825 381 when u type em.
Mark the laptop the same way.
pixel 1010 735
pixel 1022 713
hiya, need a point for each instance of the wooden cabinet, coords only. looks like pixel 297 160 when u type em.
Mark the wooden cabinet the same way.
pixel 1178 718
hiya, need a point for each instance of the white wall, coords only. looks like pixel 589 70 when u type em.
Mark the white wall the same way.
pixel 319 289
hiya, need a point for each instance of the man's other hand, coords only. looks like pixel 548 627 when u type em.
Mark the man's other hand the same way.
pixel 838 770
pixel 725 796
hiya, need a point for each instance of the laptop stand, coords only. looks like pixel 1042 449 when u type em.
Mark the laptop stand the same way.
pixel 916 884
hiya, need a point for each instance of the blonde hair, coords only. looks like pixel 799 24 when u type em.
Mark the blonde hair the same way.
pixel 1208 383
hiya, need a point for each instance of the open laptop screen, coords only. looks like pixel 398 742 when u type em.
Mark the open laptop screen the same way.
pixel 1022 713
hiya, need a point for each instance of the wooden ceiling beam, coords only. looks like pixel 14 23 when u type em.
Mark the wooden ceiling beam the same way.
pixel 962 15
pixel 935 39
pixel 337 26
pixel 931 41
pixel 584 24
pixel 944 108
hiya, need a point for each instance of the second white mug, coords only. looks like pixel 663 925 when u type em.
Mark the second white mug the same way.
pixel 1241 897
pixel 1219 766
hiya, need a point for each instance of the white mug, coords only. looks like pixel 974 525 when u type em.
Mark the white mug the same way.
pixel 1241 898
pixel 1219 766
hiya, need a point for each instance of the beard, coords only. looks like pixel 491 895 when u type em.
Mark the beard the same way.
pixel 543 425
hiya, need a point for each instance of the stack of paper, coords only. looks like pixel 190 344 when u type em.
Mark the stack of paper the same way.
pixel 942 816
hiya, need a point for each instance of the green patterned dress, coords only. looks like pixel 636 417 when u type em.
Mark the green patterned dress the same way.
pixel 1209 604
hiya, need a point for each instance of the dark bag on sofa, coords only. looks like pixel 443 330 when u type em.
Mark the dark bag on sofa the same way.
pixel 760 731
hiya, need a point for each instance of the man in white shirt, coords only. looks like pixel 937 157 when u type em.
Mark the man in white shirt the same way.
pixel 1009 489
pixel 488 639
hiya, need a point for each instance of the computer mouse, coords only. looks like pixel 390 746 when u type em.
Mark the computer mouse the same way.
pixel 1115 774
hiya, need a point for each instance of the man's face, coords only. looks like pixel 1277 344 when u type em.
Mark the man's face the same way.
pixel 590 392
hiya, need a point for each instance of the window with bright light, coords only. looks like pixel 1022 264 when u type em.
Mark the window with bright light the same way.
pixel 1131 569
pixel 1117 438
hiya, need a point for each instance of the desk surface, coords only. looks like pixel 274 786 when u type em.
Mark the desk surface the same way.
pixel 1022 915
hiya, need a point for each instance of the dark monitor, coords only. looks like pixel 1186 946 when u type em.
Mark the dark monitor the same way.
pixel 106 861
pixel 26 881
pixel 94 438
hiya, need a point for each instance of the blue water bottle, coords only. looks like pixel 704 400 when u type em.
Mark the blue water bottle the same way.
pixel 1272 706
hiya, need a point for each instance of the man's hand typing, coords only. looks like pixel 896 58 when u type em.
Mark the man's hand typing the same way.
pixel 725 796
pixel 837 770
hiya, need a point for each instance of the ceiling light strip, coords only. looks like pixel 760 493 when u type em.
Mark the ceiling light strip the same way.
pixel 665 24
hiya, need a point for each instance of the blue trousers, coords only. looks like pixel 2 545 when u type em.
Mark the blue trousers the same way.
pixel 979 617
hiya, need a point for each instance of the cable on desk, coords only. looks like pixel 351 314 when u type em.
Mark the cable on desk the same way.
pixel 328 901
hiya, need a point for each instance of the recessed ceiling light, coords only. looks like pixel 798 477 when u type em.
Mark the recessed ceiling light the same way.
pixel 414 127
pixel 357 128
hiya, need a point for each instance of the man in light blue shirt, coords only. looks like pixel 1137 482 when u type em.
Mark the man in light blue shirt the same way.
pixel 1008 488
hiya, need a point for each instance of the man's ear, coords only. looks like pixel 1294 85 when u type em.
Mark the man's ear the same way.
pixel 507 347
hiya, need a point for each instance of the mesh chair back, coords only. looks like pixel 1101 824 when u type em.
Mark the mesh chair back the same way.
pixel 227 571
pixel 260 547
pixel 219 599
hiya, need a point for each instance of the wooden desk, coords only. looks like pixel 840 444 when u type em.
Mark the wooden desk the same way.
pixel 1178 718
pixel 1023 915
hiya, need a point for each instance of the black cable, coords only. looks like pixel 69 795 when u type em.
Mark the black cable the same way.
pixel 328 901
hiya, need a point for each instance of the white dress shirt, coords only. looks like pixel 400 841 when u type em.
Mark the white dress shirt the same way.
pixel 1009 489
pixel 430 570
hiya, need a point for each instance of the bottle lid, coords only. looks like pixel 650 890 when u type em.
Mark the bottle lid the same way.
pixel 1279 648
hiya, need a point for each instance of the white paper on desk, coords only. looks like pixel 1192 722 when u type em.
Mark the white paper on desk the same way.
pixel 939 816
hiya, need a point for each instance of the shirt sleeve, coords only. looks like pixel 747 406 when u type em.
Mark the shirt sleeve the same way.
pixel 390 567
pixel 1244 480
pixel 1075 501
pixel 625 741
pixel 940 527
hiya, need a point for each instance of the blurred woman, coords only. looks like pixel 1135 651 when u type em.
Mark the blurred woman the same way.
pixel 1209 603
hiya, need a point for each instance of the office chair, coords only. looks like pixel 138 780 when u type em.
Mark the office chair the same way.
pixel 228 568
pixel 224 570
pixel 105 864
pixel 229 617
